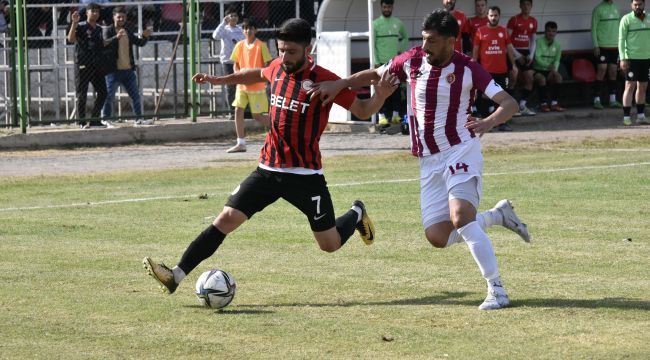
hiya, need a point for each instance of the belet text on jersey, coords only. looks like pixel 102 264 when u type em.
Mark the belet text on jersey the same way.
pixel 288 104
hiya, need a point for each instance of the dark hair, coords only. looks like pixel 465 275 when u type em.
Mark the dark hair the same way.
pixel 389 2
pixel 495 8
pixel 94 7
pixel 119 10
pixel 295 30
pixel 522 1
pixel 249 23
pixel 550 25
pixel 442 22
pixel 232 9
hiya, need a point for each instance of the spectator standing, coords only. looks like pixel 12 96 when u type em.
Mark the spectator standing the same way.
pixel 391 39
pixel 546 63
pixel 4 16
pixel 121 70
pixel 249 53
pixel 634 49
pixel 492 49
pixel 463 41
pixel 229 33
pixel 522 28
pixel 479 19
pixel 605 20
pixel 88 50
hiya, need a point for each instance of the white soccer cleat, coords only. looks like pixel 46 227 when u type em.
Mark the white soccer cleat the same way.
pixel 510 220
pixel 494 301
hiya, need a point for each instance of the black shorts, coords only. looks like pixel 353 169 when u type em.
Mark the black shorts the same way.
pixel 608 56
pixel 308 193
pixel 501 79
pixel 522 68
pixel 639 70
pixel 544 73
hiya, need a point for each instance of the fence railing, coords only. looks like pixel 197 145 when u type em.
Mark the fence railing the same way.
pixel 51 90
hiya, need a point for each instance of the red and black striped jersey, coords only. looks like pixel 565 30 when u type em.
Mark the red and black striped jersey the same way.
pixel 296 121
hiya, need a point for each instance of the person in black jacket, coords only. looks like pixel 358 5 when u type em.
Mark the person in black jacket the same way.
pixel 121 66
pixel 87 36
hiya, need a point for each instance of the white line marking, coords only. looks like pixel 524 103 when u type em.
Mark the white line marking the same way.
pixel 173 197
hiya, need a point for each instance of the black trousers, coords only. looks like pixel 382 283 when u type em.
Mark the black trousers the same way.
pixel 84 76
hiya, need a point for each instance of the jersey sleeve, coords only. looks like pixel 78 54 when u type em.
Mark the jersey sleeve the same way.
pixel 511 24
pixel 266 54
pixel 396 65
pixel 482 80
pixel 235 52
pixel 268 71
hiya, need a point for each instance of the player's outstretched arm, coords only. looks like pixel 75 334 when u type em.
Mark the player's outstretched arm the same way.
pixel 384 86
pixel 245 76
pixel 507 107
pixel 327 90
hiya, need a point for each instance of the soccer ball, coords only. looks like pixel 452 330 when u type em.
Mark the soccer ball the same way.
pixel 215 288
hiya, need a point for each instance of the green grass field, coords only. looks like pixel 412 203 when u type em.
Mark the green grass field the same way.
pixel 72 285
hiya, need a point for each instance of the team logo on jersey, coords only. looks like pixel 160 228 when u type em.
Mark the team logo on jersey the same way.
pixel 500 34
pixel 450 78
pixel 307 85
pixel 530 26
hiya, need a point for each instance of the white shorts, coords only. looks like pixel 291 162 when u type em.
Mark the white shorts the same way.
pixel 442 171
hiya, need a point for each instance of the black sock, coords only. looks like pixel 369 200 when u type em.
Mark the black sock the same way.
pixel 613 86
pixel 598 86
pixel 202 248
pixel 543 93
pixel 626 110
pixel 345 225
pixel 640 109
pixel 525 93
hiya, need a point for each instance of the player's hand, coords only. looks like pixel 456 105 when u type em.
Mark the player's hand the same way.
pixel 147 32
pixel 120 33
pixel 386 85
pixel 75 17
pixel 596 52
pixel 625 65
pixel 200 78
pixel 478 125
pixel 326 90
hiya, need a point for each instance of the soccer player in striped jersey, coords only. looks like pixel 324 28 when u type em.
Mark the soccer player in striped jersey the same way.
pixel 290 161
pixel 444 136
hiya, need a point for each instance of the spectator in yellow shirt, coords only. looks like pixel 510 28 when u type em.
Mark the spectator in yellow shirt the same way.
pixel 249 53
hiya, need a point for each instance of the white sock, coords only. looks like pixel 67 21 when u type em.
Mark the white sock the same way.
pixel 496 286
pixel 179 274
pixel 359 212
pixel 612 98
pixel 553 102
pixel 241 141
pixel 481 248
pixel 454 238
pixel 489 218
pixel 522 104
pixel 597 99
pixel 395 113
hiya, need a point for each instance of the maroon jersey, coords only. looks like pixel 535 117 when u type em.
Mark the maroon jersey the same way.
pixel 296 121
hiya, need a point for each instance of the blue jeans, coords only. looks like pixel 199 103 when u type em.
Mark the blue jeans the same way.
pixel 129 83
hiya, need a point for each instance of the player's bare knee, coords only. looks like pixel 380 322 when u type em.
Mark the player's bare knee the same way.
pixel 229 219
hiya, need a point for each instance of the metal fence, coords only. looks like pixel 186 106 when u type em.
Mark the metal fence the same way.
pixel 163 76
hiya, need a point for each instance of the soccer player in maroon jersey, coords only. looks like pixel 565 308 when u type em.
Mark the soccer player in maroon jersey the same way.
pixel 290 160
pixel 444 137
pixel 493 49
pixel 522 28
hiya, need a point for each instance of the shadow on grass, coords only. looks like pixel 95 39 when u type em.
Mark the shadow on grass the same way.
pixel 234 311
pixel 456 298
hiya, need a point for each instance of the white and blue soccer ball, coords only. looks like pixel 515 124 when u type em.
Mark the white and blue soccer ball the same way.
pixel 215 288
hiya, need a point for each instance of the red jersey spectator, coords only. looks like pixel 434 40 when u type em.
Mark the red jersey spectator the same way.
pixel 522 28
pixel 479 19
pixel 462 40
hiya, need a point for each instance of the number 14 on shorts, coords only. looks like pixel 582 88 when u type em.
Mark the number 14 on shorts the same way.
pixel 459 167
